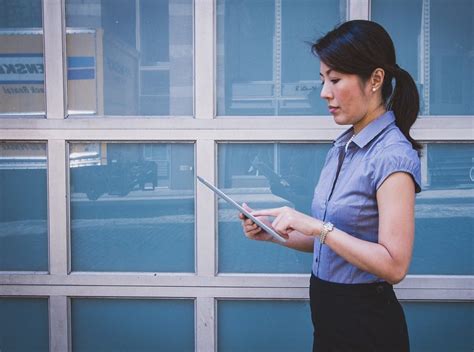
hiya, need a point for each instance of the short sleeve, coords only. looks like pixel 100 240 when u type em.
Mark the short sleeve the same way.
pixel 396 158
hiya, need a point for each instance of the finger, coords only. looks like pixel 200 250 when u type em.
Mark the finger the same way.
pixel 249 222
pixel 251 227
pixel 276 223
pixel 268 212
pixel 281 225
pixel 245 220
pixel 243 217
pixel 253 233
pixel 249 233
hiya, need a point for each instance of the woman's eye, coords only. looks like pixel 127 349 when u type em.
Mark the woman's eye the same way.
pixel 333 81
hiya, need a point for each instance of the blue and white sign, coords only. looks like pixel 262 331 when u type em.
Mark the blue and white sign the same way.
pixel 21 68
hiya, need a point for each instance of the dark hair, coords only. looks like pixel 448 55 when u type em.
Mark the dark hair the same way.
pixel 359 47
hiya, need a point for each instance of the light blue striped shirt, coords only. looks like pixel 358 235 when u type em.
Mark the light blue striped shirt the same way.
pixel 348 198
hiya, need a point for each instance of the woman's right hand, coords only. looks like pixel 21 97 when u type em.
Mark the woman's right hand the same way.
pixel 251 229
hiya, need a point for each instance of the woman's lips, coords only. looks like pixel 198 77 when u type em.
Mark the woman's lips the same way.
pixel 333 109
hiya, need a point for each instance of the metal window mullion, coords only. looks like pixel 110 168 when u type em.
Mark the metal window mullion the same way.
pixel 206 252
pixel 358 9
pixel 308 135
pixel 138 45
pixel 206 334
pixel 205 210
pixel 179 292
pixel 54 57
pixel 277 57
pixel 425 55
pixel 425 182
pixel 204 61
pixel 277 281
pixel 459 125
pixel 57 207
pixel 58 324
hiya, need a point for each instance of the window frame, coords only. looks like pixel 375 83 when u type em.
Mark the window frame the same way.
pixel 205 130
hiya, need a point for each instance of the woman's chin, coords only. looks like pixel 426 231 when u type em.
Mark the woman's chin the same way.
pixel 341 120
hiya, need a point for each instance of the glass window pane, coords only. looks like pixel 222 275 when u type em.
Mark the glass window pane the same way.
pixel 440 327
pixel 264 60
pixel 130 57
pixel 265 175
pixel 21 58
pixel 435 46
pixel 264 326
pixel 23 207
pixel 132 325
pixel 24 324
pixel 445 206
pixel 132 207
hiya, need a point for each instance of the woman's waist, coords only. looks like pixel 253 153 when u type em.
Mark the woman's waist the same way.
pixel 350 289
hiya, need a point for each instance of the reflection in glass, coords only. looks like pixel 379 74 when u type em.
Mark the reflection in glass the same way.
pixel 264 60
pixel 441 33
pixel 24 324
pixel 23 207
pixel 132 207
pixel 451 58
pixel 455 320
pixel 266 326
pixel 445 206
pixel 21 58
pixel 130 57
pixel 265 175
pixel 132 325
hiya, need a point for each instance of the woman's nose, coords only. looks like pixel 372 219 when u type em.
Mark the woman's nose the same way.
pixel 325 92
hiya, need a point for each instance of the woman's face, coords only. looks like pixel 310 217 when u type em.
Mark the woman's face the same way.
pixel 348 99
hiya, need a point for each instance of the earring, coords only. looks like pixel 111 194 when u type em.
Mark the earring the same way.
pixel 374 89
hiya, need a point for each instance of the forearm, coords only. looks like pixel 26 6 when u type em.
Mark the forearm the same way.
pixel 367 256
pixel 299 242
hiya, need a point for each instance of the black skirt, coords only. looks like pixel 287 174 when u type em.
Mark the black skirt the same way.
pixel 357 317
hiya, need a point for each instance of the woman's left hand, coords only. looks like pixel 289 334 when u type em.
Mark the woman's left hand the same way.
pixel 288 219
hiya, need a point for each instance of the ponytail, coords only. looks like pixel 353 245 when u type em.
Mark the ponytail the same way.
pixel 404 102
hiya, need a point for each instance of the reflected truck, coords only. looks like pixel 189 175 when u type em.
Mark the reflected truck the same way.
pixel 117 178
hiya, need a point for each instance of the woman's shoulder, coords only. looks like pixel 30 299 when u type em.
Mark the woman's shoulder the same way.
pixel 395 153
pixel 392 142
pixel 393 135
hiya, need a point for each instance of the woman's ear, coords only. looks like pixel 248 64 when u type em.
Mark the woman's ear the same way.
pixel 376 79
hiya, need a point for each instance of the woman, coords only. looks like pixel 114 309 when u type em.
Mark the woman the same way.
pixel 362 225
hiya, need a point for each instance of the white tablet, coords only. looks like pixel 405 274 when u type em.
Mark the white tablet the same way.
pixel 236 205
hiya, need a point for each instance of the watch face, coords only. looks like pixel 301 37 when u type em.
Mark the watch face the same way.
pixel 328 226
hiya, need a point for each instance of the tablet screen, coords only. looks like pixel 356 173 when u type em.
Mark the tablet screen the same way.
pixel 236 205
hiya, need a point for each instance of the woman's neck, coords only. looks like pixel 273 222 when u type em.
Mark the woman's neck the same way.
pixel 368 118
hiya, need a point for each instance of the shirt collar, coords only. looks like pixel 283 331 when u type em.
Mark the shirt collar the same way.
pixel 368 133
